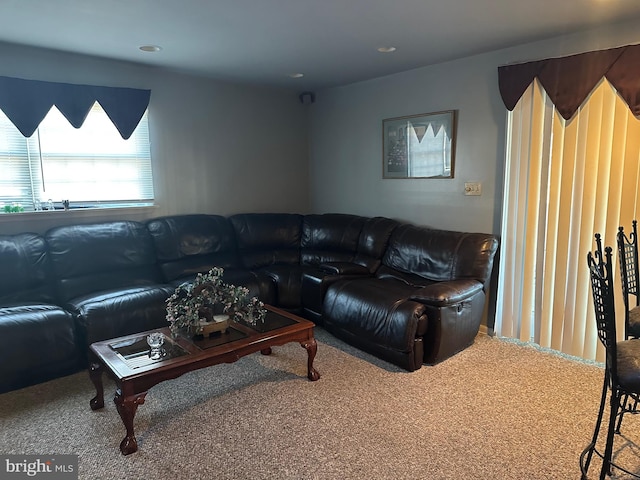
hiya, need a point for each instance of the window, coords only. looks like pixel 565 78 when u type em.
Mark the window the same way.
pixel 565 180
pixel 91 166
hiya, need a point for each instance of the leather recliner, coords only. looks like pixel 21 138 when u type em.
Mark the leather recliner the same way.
pixel 38 340
pixel 424 303
pixel 106 275
pixel 362 261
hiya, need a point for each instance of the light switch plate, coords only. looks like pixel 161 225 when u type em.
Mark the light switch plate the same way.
pixel 473 188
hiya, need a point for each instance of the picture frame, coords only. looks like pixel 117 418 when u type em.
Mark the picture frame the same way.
pixel 419 146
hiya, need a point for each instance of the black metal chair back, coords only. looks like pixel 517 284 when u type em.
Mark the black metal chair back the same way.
pixel 620 359
pixel 604 302
pixel 629 275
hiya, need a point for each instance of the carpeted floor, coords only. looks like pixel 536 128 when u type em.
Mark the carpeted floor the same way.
pixel 498 410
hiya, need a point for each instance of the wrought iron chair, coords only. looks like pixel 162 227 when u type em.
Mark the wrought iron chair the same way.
pixel 629 275
pixel 622 371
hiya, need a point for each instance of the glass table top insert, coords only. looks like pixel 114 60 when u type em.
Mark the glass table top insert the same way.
pixel 137 353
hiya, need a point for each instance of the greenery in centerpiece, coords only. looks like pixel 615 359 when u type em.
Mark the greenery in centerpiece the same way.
pixel 208 294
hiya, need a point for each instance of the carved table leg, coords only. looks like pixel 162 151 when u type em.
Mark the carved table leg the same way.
pixel 95 374
pixel 127 407
pixel 266 351
pixel 312 347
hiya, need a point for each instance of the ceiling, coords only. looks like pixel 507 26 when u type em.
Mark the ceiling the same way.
pixel 332 42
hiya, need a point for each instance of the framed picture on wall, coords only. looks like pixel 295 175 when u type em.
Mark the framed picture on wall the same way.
pixel 419 146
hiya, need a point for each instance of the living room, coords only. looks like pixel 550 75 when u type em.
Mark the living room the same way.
pixel 226 147
pixel 207 134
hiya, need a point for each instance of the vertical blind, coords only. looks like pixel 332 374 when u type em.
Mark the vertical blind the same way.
pixel 564 181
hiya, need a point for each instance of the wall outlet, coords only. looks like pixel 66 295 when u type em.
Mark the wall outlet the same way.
pixel 473 188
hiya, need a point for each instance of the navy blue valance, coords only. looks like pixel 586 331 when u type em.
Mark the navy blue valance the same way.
pixel 27 102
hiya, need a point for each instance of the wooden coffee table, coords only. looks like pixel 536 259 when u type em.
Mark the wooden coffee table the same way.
pixel 128 360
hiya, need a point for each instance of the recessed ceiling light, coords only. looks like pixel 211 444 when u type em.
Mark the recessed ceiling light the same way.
pixel 150 48
pixel 386 49
pixel 296 75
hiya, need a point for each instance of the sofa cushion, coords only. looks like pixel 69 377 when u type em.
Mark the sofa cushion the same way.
pixel 267 238
pixel 26 271
pixel 114 313
pixel 190 244
pixel 288 282
pixel 259 284
pixel 440 255
pixel 37 343
pixel 408 278
pixel 330 237
pixel 373 241
pixel 104 256
pixel 441 294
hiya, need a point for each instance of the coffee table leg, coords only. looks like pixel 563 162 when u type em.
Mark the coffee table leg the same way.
pixel 312 347
pixel 127 407
pixel 266 351
pixel 95 373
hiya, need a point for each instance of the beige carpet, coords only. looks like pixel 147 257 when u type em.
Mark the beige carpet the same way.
pixel 498 410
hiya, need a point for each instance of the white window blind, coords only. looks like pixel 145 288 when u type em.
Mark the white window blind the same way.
pixel 90 166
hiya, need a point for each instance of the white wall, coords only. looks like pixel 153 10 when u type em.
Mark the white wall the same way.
pixel 224 148
pixel 216 147
pixel 346 136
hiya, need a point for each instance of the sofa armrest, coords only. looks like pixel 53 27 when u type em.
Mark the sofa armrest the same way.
pixel 344 268
pixel 447 293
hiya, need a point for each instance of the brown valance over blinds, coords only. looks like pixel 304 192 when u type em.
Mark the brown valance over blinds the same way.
pixel 569 80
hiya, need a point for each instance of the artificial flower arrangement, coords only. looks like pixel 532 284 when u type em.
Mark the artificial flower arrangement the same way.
pixel 191 303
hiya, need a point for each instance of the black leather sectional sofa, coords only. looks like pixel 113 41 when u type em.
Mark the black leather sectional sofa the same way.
pixel 408 294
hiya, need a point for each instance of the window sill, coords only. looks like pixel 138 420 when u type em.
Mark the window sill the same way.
pixel 80 213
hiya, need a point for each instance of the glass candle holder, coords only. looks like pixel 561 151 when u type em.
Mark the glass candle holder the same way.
pixel 155 341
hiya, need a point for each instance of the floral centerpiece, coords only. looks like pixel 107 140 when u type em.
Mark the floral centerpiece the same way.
pixel 191 303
